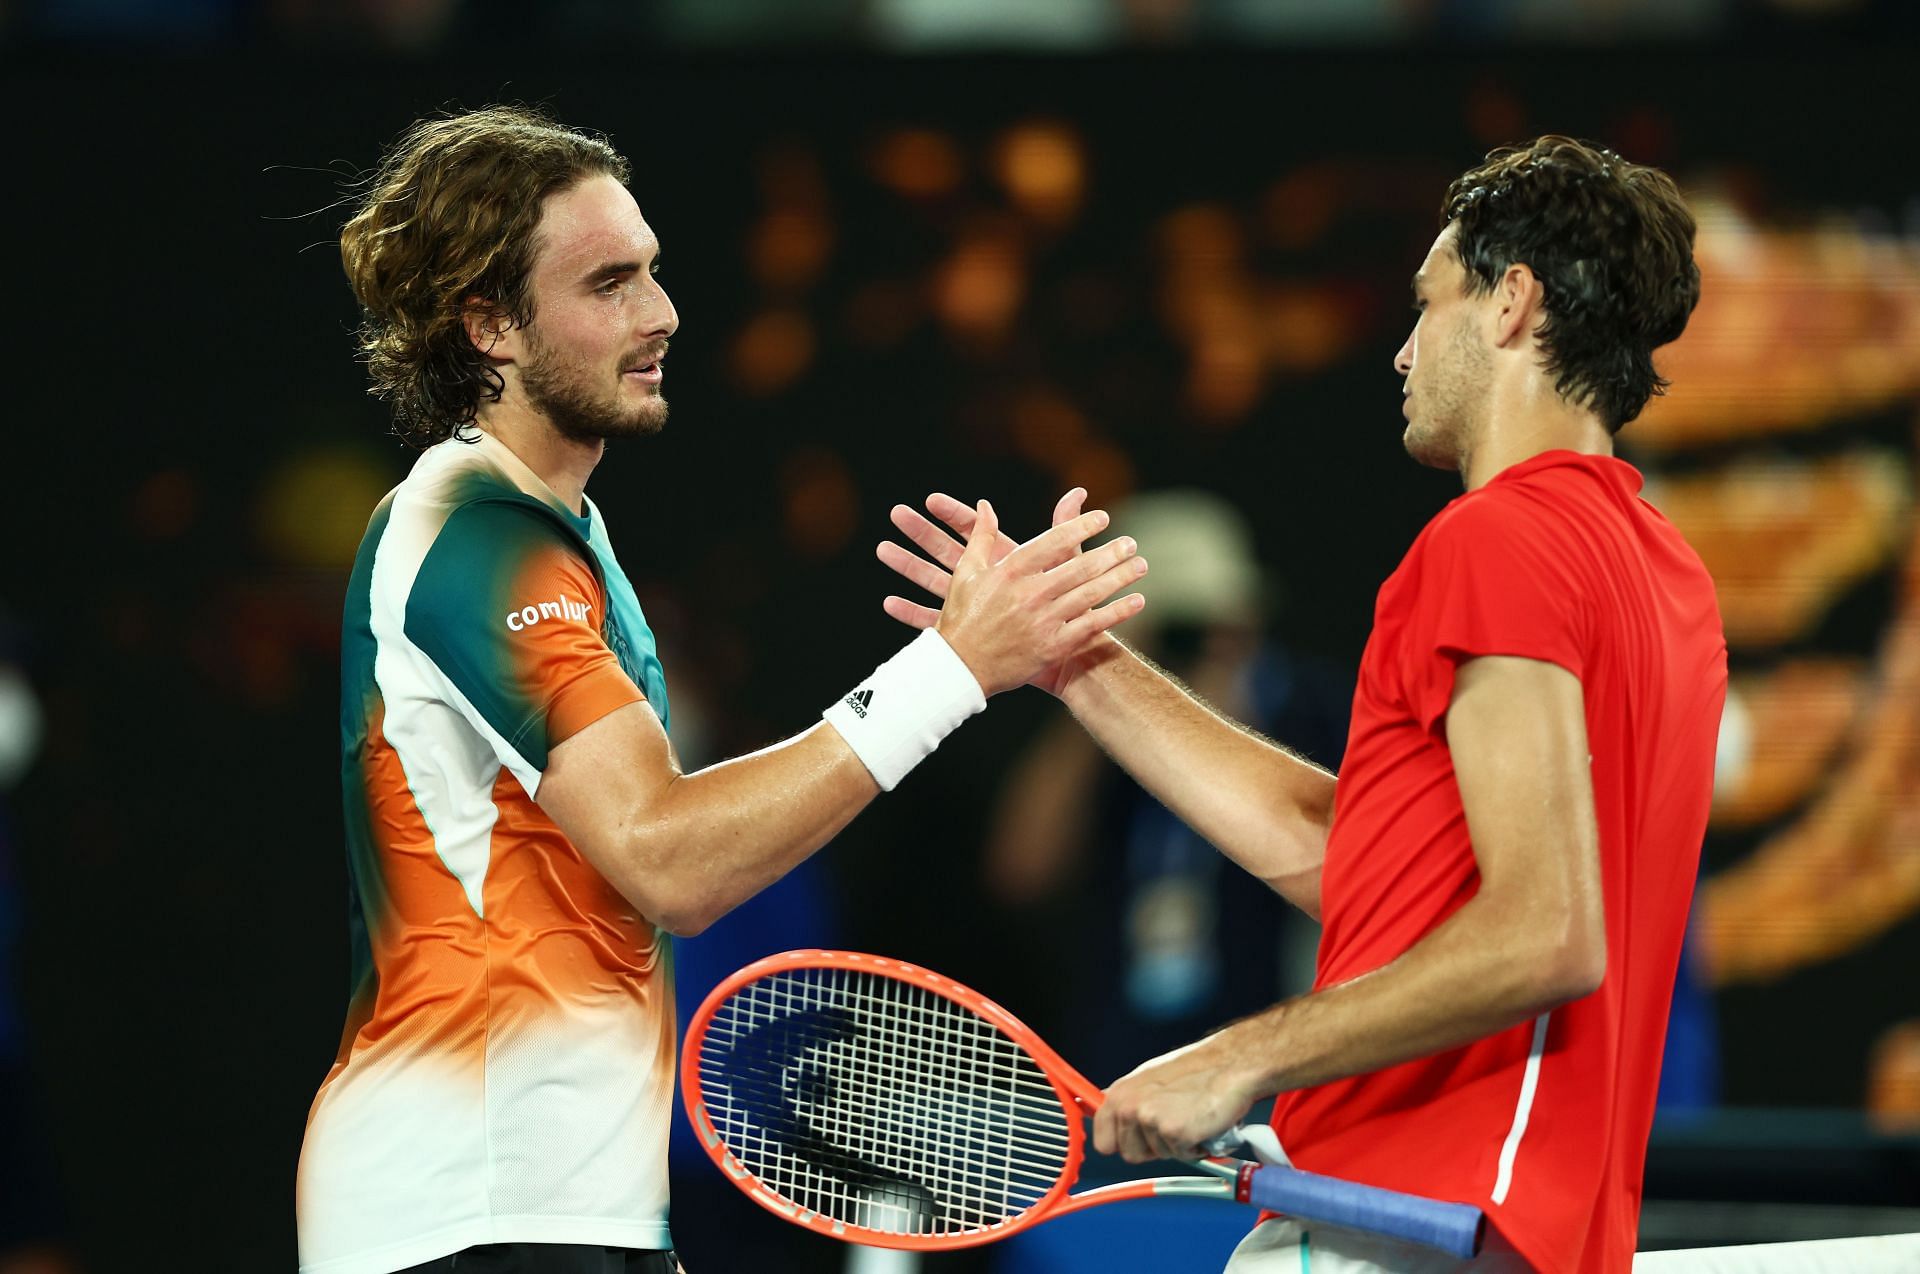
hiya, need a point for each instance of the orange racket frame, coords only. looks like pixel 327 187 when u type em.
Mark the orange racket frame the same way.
pixel 1076 1093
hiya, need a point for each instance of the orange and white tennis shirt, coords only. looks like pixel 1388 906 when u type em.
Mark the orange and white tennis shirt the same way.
pixel 506 1071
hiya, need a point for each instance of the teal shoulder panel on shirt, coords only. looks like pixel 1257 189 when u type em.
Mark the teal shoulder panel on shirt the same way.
pixel 627 629
pixel 466 583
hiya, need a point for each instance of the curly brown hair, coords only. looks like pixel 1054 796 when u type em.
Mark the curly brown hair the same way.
pixel 1612 245
pixel 446 225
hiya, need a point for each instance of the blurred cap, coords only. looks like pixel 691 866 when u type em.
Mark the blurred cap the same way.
pixel 1200 550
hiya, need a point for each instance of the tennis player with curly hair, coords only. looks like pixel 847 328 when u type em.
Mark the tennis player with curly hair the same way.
pixel 1503 866
pixel 521 839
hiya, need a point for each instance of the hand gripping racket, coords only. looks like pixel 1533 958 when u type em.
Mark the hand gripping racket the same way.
pixel 878 1102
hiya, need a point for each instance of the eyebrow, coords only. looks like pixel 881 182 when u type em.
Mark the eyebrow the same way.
pixel 1418 278
pixel 616 268
pixel 613 270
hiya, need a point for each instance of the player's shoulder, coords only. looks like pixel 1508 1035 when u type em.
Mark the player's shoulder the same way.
pixel 466 534
pixel 1488 518
pixel 462 492
pixel 1538 500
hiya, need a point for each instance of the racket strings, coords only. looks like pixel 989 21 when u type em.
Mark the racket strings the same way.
pixel 879 1103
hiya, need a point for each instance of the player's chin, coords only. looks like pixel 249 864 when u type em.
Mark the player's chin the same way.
pixel 1424 447
pixel 645 418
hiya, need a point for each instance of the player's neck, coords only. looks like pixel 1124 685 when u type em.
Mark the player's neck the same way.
pixel 563 463
pixel 1524 419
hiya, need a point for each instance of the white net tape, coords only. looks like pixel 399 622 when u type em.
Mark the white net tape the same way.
pixel 880 1103
pixel 1885 1254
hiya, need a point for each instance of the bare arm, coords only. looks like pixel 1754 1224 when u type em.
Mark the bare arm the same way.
pixel 687 848
pixel 1259 804
pixel 1532 938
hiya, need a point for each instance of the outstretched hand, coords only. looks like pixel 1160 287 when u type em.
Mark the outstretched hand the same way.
pixel 1014 613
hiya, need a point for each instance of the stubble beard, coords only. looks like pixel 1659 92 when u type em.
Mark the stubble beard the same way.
pixel 563 395
pixel 1442 436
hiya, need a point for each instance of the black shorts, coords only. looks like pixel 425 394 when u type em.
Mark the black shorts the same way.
pixel 549 1258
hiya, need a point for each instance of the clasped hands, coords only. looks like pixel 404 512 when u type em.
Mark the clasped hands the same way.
pixel 1014 613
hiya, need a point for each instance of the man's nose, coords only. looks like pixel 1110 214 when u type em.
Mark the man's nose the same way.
pixel 664 318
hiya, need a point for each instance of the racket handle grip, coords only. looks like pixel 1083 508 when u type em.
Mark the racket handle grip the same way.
pixel 1457 1228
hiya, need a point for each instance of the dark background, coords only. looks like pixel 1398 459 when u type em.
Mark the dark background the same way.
pixel 195 456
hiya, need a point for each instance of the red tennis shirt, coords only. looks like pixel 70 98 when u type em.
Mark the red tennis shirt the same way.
pixel 1543 1125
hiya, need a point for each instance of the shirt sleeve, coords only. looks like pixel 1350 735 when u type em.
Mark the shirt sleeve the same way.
pixel 511 614
pixel 1498 579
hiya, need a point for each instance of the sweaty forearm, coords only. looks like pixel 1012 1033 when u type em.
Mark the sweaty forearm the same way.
pixel 1261 805
pixel 712 839
pixel 1491 965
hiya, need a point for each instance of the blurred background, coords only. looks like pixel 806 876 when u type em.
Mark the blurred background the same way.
pixel 1159 248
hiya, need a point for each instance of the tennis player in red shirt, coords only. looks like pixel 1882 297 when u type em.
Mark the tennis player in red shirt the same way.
pixel 1503 867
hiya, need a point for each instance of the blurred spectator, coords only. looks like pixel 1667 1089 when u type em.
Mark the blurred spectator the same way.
pixel 921 25
pixel 703 23
pixel 1175 943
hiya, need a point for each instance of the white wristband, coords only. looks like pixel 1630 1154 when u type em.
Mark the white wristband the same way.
pixel 899 714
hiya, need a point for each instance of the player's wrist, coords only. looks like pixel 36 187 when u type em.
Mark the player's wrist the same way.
pixel 898 715
pixel 1076 684
pixel 958 643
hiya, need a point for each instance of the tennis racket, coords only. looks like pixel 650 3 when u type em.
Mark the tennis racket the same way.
pixel 881 1103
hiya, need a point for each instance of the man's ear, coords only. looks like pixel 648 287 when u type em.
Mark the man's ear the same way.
pixel 491 329
pixel 1522 304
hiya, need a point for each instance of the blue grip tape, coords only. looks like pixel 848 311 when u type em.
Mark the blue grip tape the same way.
pixel 1452 1227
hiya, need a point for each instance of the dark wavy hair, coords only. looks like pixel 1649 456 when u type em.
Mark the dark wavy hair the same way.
pixel 446 225
pixel 1612 245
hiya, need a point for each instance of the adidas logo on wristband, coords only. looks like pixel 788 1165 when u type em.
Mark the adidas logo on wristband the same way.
pixel 930 690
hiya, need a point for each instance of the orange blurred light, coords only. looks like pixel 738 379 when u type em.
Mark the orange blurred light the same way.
pixel 1794 331
pixel 789 247
pixel 1783 539
pixel 1300 208
pixel 1227 377
pixel 1202 237
pixel 979 289
pixel 1893 1080
pixel 772 351
pixel 1103 469
pixel 1042 167
pixel 1307 328
pixel 917 163
pixel 819 502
